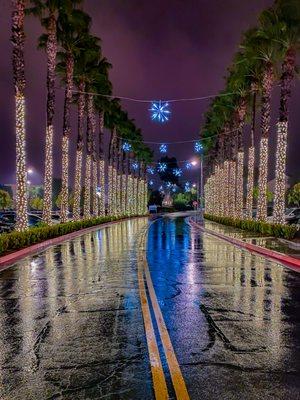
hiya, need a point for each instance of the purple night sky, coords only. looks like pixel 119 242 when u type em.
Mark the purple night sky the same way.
pixel 159 50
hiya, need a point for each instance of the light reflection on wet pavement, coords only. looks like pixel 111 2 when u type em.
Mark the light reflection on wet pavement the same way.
pixel 71 325
pixel 232 316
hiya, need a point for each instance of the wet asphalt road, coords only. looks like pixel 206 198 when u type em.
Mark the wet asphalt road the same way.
pixel 71 325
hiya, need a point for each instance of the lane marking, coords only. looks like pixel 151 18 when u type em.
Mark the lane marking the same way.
pixel 158 377
pixel 176 375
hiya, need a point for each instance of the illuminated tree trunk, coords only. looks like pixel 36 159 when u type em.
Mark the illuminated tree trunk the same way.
pixel 226 188
pixel 110 173
pixel 241 112
pixel 51 50
pixel 264 143
pixel 251 161
pixel 288 72
pixel 101 167
pixel 79 150
pixel 94 165
pixel 64 207
pixel 18 40
pixel 89 159
pixel 114 175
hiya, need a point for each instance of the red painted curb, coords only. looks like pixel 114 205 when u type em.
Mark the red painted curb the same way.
pixel 272 254
pixel 9 259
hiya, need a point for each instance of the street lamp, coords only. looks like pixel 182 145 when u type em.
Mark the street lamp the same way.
pixel 199 183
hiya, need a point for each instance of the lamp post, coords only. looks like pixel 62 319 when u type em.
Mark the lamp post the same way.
pixel 199 184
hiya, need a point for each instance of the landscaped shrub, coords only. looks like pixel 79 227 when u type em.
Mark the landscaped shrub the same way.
pixel 17 240
pixel 264 228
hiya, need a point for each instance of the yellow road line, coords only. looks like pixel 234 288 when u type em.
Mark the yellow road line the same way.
pixel 176 375
pixel 158 377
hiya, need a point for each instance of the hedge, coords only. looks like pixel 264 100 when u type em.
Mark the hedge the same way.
pixel 17 240
pixel 278 230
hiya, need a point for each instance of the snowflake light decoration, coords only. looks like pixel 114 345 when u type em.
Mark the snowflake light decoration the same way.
pixel 168 184
pixel 177 171
pixel 162 167
pixel 163 148
pixel 159 111
pixel 187 186
pixel 161 189
pixel 188 165
pixel 126 147
pixel 198 147
pixel 151 182
pixel 174 188
pixel 150 170
pixel 135 166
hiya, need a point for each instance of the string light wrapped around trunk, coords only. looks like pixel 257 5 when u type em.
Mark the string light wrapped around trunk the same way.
pixel 64 206
pixel 114 191
pixel 94 187
pixel 77 189
pixel 226 188
pixel 47 204
pixel 262 180
pixel 87 188
pixel 232 183
pixel 110 189
pixel 101 200
pixel 123 194
pixel 250 182
pixel 240 185
pixel 21 172
pixel 280 183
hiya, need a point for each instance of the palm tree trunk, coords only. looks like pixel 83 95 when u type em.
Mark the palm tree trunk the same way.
pixel 288 72
pixel 101 167
pixel 64 208
pixel 79 150
pixel 51 50
pixel 240 160
pixel 251 161
pixel 264 143
pixel 18 40
pixel 88 168
pixel 111 187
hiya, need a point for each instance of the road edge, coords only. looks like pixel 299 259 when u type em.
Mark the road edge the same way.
pixel 286 261
pixel 9 259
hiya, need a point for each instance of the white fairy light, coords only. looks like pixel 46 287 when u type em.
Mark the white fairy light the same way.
pixel 280 183
pixel 64 206
pixel 101 200
pixel 262 180
pixel 47 204
pixel 87 188
pixel 77 189
pixel 250 182
pixel 21 173
pixel 239 185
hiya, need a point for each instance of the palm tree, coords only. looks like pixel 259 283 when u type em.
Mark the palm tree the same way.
pixel 47 11
pixel 88 53
pixel 71 28
pixel 18 40
pixel 258 45
pixel 288 12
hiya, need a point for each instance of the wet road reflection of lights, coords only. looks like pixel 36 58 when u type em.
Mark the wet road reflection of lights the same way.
pixel 70 321
pixel 232 316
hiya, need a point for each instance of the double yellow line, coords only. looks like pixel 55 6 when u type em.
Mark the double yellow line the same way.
pixel 158 376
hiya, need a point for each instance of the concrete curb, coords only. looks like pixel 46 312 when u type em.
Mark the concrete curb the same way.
pixel 9 259
pixel 283 259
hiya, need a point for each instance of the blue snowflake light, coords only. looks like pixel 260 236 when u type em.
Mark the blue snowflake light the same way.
pixel 150 170
pixel 174 188
pixel 187 186
pixel 159 111
pixel 126 147
pixel 163 148
pixel 151 182
pixel 135 166
pixel 188 165
pixel 177 171
pixel 168 184
pixel 161 189
pixel 198 147
pixel 162 167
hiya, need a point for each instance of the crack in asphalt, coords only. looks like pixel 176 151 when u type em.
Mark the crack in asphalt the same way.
pixel 214 331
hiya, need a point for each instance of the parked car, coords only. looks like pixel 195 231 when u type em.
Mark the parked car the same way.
pixel 8 221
